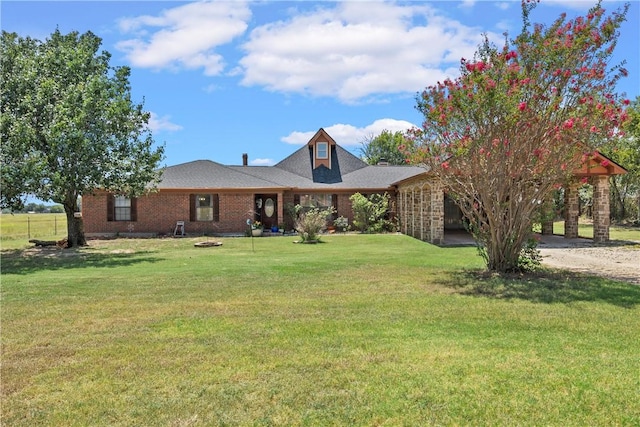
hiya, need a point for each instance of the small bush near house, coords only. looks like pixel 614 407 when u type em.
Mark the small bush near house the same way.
pixel 310 223
pixel 341 224
pixel 369 213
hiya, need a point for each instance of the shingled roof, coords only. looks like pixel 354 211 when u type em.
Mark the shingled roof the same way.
pixel 347 172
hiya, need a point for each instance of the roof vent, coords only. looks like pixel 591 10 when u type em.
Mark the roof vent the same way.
pixel 383 162
pixel 245 159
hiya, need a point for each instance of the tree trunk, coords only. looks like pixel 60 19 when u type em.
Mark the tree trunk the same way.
pixel 75 226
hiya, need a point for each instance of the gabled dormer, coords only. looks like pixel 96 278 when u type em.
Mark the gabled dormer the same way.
pixel 321 146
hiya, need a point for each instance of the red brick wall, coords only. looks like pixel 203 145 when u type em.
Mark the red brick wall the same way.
pixel 158 212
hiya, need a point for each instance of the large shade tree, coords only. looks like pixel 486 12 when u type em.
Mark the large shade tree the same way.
pixel 625 189
pixel 517 121
pixel 69 126
pixel 385 147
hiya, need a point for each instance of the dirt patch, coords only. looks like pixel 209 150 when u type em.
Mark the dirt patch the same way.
pixel 620 261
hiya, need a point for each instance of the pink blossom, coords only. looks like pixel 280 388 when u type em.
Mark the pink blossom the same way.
pixel 605 163
pixel 568 124
pixel 593 129
pixel 522 106
pixel 626 102
pixel 445 165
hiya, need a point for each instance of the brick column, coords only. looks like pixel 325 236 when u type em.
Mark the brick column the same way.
pixel 601 210
pixel 437 214
pixel 571 210
pixel 548 215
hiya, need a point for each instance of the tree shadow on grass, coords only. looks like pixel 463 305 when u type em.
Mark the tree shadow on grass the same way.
pixel 29 261
pixel 545 287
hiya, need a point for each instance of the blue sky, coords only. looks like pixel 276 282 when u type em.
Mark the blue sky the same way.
pixel 225 78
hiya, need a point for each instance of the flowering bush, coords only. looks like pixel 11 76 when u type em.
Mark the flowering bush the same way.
pixel 310 223
pixel 518 121
pixel 256 225
pixel 341 223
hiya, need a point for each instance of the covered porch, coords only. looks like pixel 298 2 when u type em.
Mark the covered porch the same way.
pixel 425 212
pixel 595 171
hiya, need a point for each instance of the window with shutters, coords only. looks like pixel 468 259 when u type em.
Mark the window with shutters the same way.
pixel 316 200
pixel 204 207
pixel 121 208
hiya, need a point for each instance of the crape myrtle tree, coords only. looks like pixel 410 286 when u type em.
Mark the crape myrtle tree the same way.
pixel 69 126
pixel 518 120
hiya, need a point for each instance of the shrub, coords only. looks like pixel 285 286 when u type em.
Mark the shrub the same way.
pixel 310 223
pixel 530 258
pixel 369 213
pixel 341 224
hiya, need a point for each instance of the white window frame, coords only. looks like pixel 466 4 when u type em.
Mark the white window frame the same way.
pixel 322 153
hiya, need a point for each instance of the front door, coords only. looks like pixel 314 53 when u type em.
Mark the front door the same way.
pixel 267 210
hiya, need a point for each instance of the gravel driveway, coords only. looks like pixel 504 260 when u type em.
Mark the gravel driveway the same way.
pixel 615 260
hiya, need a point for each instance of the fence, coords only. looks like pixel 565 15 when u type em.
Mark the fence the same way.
pixel 32 226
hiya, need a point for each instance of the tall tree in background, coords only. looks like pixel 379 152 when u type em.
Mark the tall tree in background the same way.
pixel 625 189
pixel 386 146
pixel 518 120
pixel 68 125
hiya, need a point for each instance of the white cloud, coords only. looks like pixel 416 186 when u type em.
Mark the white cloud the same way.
pixel 349 135
pixel 581 5
pixel 262 162
pixel 467 4
pixel 185 36
pixel 503 5
pixel 358 50
pixel 158 124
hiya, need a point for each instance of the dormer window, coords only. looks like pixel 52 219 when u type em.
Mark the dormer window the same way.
pixel 322 150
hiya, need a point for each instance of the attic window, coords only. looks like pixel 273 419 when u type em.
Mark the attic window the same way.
pixel 322 150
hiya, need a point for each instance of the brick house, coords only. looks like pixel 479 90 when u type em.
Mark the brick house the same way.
pixel 211 198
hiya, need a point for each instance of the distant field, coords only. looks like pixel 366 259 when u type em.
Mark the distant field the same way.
pixel 32 226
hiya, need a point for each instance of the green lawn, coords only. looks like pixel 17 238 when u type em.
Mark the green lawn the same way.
pixel 359 330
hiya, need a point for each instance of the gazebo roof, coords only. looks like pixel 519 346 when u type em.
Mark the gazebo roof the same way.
pixel 599 164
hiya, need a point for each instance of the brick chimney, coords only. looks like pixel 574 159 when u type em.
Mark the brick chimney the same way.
pixel 245 159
